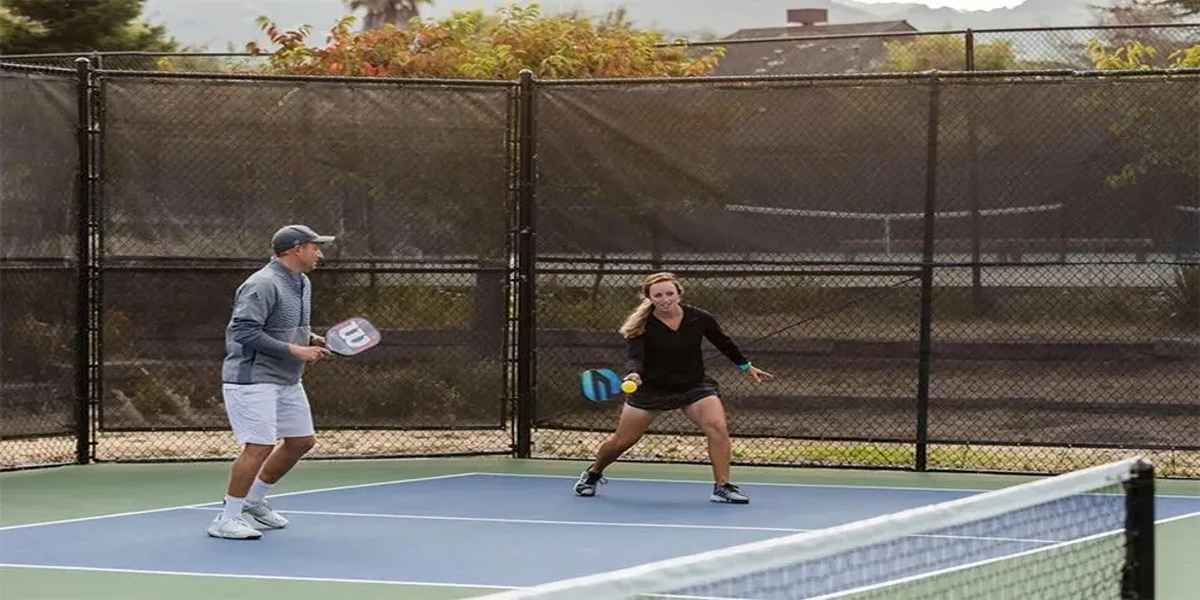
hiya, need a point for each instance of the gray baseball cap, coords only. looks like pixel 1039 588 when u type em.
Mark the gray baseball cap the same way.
pixel 290 236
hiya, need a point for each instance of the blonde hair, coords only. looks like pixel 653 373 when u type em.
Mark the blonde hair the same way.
pixel 635 323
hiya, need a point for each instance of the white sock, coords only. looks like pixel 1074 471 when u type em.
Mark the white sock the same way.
pixel 233 507
pixel 258 490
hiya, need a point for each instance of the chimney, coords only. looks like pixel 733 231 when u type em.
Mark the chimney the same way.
pixel 807 16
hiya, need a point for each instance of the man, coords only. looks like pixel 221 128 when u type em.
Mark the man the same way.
pixel 267 343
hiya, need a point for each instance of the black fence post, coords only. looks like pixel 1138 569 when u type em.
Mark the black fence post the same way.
pixel 969 45
pixel 83 204
pixel 1137 582
pixel 973 181
pixel 527 272
pixel 925 350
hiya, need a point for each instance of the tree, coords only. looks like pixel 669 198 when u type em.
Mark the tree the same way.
pixel 1151 129
pixel 1136 55
pixel 1145 48
pixel 42 26
pixel 397 13
pixel 947 53
pixel 16 27
pixel 1164 160
pixel 474 46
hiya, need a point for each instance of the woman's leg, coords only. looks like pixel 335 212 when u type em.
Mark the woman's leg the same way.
pixel 709 415
pixel 630 428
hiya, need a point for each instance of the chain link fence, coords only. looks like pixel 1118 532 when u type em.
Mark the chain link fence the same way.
pixel 1062 281
pixel 736 188
pixel 412 179
pixel 38 267
pixel 1053 322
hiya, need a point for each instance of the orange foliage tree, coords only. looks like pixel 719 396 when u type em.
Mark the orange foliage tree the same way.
pixel 471 45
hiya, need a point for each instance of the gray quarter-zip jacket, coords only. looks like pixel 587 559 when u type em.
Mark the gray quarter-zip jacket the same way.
pixel 270 310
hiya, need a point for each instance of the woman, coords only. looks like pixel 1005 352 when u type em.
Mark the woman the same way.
pixel 664 359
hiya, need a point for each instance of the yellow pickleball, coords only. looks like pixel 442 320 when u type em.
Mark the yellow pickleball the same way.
pixel 629 386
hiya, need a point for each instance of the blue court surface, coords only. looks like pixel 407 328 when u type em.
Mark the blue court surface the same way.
pixel 467 530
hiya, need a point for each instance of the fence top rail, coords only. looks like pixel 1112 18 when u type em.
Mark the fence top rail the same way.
pixel 396 81
pixel 918 76
pixel 868 216
pixel 1090 27
pixel 133 53
pixel 17 67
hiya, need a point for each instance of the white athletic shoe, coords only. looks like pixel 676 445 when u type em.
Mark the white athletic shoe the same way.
pixel 233 529
pixel 586 486
pixel 728 494
pixel 260 513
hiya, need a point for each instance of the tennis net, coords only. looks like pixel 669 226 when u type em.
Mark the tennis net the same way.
pixel 1085 534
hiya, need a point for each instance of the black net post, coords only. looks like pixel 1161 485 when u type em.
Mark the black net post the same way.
pixel 83 69
pixel 525 261
pixel 925 351
pixel 1138 580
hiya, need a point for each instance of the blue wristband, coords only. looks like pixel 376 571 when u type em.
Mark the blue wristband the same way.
pixel 744 368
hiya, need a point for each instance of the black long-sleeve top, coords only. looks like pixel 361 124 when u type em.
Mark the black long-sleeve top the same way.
pixel 672 360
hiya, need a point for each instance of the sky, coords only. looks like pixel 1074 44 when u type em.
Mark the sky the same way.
pixel 959 4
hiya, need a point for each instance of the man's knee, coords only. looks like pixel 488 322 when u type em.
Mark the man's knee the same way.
pixel 257 452
pixel 300 445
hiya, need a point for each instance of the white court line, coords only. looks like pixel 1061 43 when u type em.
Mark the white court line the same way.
pixel 531 521
pixel 619 524
pixel 185 506
pixel 1177 518
pixel 748 483
pixel 529 475
pixel 250 576
pixel 365 485
pixel 809 485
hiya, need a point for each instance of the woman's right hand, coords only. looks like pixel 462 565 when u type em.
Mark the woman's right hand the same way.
pixel 634 377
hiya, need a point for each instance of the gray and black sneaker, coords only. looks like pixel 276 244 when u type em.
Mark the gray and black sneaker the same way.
pixel 586 486
pixel 728 493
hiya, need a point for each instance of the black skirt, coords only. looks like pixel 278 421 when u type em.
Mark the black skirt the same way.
pixel 650 398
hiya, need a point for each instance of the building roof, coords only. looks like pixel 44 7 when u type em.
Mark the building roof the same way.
pixel 808 56
pixel 821 29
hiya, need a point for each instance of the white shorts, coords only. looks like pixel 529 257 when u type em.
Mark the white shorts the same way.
pixel 261 413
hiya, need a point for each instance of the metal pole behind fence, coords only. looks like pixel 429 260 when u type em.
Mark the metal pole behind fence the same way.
pixel 925 351
pixel 969 45
pixel 83 207
pixel 973 181
pixel 527 277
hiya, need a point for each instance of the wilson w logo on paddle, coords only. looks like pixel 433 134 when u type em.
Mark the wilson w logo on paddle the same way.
pixel 352 336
